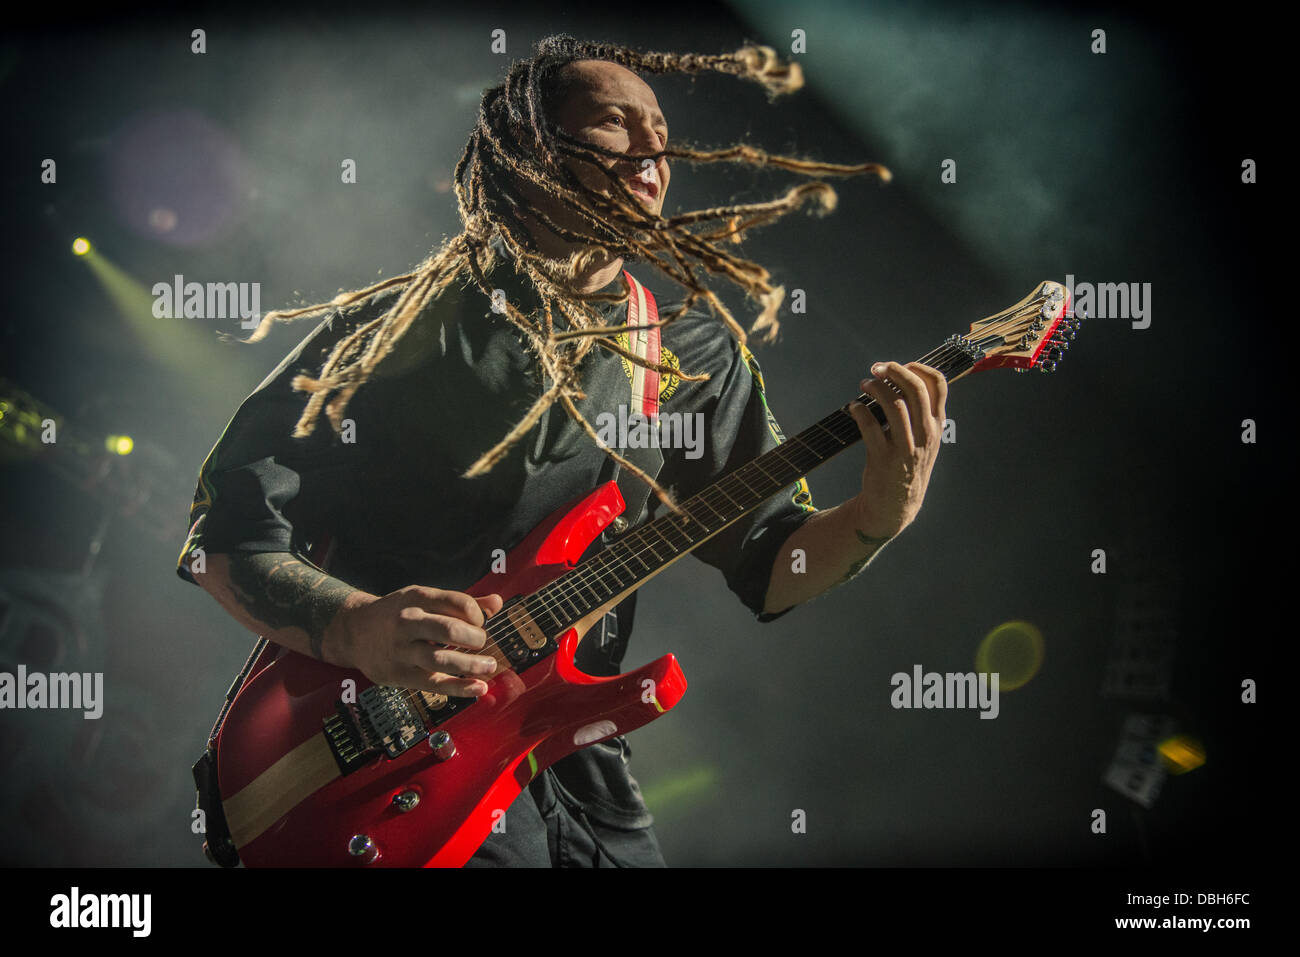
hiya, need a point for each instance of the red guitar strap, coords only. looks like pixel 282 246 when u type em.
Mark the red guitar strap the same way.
pixel 643 343
pixel 602 652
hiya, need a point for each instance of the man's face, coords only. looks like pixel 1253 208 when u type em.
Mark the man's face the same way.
pixel 610 106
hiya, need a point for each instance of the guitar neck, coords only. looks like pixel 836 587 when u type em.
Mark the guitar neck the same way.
pixel 628 563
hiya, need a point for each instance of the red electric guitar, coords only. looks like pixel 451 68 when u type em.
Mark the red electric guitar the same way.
pixel 320 767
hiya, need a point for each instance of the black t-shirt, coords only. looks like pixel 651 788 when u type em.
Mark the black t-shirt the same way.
pixel 390 493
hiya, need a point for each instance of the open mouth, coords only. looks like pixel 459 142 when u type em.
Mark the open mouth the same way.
pixel 648 192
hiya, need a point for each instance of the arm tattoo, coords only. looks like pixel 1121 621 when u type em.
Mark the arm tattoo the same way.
pixel 876 544
pixel 282 591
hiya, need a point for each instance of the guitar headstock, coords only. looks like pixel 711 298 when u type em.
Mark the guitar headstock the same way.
pixel 1032 334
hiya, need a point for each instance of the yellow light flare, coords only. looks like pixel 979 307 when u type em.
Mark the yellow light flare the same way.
pixel 1181 753
pixel 120 444
pixel 1014 650
pixel 81 246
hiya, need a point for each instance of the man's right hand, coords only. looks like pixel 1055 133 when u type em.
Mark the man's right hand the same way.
pixel 396 640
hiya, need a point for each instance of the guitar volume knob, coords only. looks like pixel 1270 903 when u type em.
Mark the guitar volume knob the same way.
pixel 442 745
pixel 363 849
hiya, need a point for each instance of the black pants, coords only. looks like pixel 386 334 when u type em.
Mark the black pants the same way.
pixel 547 827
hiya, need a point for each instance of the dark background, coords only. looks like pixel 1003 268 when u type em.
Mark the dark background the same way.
pixel 1122 167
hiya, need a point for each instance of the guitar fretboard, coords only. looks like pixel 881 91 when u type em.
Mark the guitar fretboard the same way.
pixel 641 552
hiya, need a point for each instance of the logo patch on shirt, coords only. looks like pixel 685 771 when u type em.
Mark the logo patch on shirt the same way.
pixel 668 383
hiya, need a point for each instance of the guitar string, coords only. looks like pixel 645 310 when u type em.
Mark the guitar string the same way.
pixel 570 584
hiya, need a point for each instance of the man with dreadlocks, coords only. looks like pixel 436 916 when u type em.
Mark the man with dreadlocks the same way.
pixel 512 332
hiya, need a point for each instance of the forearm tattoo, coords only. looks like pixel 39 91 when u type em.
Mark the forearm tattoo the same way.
pixel 875 544
pixel 282 591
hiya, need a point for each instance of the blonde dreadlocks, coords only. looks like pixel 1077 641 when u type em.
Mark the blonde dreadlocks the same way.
pixel 516 140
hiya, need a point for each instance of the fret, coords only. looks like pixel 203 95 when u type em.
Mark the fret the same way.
pixel 568 605
pixel 663 534
pixel 587 596
pixel 704 529
pixel 617 571
pixel 758 465
pixel 753 467
pixel 653 552
pixel 671 535
pixel 722 490
pixel 638 556
pixel 537 606
pixel 807 456
pixel 829 432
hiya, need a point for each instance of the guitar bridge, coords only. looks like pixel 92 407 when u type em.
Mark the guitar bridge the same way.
pixel 389 719
pixel 346 741
pixel 383 721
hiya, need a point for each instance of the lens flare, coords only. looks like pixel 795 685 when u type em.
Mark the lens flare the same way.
pixel 1014 649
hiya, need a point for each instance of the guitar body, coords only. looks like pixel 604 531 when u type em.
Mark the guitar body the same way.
pixel 288 802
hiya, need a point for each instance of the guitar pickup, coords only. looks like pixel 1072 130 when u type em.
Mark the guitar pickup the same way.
pixel 523 642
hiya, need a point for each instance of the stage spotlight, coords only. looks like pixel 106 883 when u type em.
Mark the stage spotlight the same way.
pixel 81 246
pixel 120 444
pixel 1014 650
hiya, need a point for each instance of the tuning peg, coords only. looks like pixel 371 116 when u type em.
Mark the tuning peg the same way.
pixel 1049 366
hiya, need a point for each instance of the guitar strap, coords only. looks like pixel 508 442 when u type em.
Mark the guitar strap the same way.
pixel 644 344
pixel 601 651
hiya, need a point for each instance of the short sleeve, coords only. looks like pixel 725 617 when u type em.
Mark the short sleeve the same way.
pixel 254 472
pixel 742 427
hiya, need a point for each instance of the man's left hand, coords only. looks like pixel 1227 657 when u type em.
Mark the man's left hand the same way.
pixel 900 459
